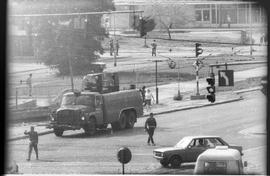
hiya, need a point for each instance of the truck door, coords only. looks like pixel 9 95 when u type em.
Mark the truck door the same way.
pixel 99 110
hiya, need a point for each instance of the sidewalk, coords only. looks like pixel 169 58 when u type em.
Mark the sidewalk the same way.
pixel 166 105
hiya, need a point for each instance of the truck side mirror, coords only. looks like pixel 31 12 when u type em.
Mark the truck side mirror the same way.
pixel 245 164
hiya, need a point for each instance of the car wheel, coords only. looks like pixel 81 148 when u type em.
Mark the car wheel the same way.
pixel 164 163
pixel 175 161
pixel 58 132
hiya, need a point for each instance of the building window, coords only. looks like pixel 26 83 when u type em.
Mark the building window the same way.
pixel 206 15
pixel 202 15
pixel 198 15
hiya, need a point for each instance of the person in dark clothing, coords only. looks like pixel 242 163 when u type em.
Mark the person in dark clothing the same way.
pixel 150 126
pixel 154 48
pixel 33 137
pixel 143 91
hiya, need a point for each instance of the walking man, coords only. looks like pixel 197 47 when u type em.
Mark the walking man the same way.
pixel 143 91
pixel 33 137
pixel 111 47
pixel 154 48
pixel 150 126
pixel 117 47
pixel 148 99
pixel 29 83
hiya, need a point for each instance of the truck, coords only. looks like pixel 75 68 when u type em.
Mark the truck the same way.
pixel 90 111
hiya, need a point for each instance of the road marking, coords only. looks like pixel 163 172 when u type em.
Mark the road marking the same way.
pixel 223 75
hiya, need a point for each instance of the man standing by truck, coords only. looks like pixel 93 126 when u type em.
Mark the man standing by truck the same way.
pixel 33 137
pixel 150 126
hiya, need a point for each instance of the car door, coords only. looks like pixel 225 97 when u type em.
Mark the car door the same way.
pixel 194 150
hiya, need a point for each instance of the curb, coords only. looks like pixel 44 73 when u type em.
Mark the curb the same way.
pixel 198 106
pixel 25 136
pixel 248 90
pixel 146 115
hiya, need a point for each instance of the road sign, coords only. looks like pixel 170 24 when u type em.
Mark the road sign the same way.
pixel 124 155
pixel 225 78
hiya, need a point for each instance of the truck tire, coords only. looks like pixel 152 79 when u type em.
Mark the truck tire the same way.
pixel 90 128
pixel 115 126
pixel 123 120
pixel 131 118
pixel 104 126
pixel 58 132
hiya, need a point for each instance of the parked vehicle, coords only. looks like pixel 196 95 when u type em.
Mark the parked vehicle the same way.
pixel 188 149
pixel 92 111
pixel 220 161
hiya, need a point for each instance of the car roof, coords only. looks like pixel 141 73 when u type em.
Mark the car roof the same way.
pixel 201 136
pixel 220 154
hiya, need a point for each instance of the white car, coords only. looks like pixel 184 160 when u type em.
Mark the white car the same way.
pixel 188 149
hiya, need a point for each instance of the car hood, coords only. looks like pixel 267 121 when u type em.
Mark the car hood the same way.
pixel 166 149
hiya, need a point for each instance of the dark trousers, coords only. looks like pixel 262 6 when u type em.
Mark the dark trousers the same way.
pixel 31 146
pixel 154 52
pixel 150 135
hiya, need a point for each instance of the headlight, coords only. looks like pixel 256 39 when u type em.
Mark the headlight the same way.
pixel 83 118
pixel 52 118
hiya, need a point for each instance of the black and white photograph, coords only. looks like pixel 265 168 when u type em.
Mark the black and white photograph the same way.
pixel 172 87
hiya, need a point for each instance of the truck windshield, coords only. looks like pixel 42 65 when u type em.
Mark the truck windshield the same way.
pixel 86 100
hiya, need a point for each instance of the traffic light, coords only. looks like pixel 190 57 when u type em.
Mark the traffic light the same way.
pixel 142 27
pixel 211 89
pixel 198 50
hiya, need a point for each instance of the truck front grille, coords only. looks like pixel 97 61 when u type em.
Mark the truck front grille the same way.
pixel 67 116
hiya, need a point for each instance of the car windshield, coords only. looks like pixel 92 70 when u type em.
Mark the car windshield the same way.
pixel 71 99
pixel 183 143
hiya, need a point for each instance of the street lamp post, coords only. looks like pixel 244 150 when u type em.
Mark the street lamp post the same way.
pixel 156 61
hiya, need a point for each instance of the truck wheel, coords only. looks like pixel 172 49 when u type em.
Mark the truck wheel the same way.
pixel 90 128
pixel 131 119
pixel 58 132
pixel 123 120
pixel 115 126
pixel 175 161
pixel 104 126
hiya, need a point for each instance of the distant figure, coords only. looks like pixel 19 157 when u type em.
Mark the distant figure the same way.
pixel 150 126
pixel 33 137
pixel 143 91
pixel 117 47
pixel 263 39
pixel 148 98
pixel 29 83
pixel 111 47
pixel 154 48
pixel 229 21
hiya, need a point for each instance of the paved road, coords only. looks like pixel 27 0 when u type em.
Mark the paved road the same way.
pixel 79 154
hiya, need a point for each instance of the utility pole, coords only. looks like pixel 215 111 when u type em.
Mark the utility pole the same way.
pixel 114 46
pixel 156 61
pixel 250 30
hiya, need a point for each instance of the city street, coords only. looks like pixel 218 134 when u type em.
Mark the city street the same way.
pixel 241 123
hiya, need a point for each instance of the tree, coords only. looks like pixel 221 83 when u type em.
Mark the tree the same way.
pixel 143 25
pixel 171 16
pixel 72 38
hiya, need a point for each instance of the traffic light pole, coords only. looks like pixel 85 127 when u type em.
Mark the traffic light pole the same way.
pixel 197 77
